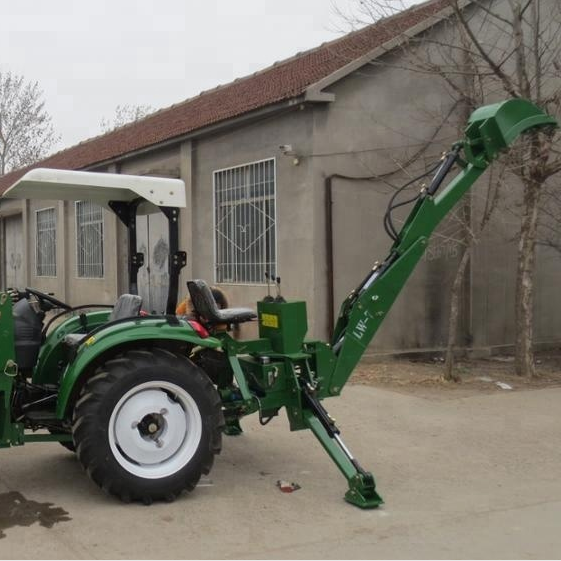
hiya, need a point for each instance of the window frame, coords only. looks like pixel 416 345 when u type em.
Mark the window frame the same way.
pixel 55 223
pixel 76 238
pixel 273 160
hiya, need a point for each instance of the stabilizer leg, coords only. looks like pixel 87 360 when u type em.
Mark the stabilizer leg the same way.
pixel 362 487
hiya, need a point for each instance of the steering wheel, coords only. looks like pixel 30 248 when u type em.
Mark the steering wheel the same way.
pixel 42 297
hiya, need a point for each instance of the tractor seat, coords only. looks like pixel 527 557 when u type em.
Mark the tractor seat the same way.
pixel 206 308
pixel 126 306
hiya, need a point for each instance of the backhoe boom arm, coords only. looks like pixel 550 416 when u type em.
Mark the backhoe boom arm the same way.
pixel 490 130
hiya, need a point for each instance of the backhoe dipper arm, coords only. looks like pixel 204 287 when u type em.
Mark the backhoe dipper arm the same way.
pixel 490 130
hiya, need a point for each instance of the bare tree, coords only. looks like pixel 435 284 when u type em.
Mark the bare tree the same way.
pixel 26 130
pixel 490 50
pixel 532 41
pixel 125 114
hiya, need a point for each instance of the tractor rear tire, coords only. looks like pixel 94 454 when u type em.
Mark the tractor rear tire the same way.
pixel 147 425
pixel 68 445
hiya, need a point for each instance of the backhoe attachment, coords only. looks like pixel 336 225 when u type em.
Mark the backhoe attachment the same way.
pixel 493 128
pixel 490 130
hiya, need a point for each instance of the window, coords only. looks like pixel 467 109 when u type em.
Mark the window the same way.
pixel 89 240
pixel 45 249
pixel 244 218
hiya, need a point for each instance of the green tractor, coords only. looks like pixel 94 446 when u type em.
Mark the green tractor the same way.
pixel 143 400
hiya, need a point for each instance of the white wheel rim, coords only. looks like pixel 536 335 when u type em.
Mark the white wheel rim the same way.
pixel 155 429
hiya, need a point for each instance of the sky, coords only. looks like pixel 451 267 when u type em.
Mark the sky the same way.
pixel 89 57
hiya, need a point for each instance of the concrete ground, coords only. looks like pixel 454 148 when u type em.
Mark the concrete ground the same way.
pixel 468 477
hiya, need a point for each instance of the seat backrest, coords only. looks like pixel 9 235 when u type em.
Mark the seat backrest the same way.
pixel 126 306
pixel 204 304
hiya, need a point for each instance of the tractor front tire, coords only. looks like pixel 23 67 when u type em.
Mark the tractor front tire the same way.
pixel 147 425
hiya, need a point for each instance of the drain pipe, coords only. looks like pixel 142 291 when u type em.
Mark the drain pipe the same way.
pixel 328 182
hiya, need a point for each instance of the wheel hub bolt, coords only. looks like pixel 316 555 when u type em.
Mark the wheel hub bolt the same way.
pixel 152 428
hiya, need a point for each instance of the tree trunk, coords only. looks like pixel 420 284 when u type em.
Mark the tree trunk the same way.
pixel 449 373
pixel 524 360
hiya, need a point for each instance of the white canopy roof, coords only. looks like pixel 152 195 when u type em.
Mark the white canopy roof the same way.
pixel 66 185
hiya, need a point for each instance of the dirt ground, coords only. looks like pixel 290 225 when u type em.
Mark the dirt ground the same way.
pixel 424 377
pixel 462 477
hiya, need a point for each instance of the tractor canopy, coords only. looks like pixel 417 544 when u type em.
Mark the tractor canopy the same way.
pixel 127 196
pixel 101 188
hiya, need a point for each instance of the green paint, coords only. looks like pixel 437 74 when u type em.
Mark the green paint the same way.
pixel 61 437
pixel 10 433
pixel 362 487
pixel 135 333
pixel 53 356
pixel 284 323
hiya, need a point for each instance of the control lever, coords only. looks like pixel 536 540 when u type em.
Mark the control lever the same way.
pixel 268 298
pixel 279 298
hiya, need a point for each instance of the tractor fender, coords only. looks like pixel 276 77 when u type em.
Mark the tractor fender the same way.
pixel 54 351
pixel 128 334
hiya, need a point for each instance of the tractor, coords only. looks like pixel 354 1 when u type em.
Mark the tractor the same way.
pixel 143 400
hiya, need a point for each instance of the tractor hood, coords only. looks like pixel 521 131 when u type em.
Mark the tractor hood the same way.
pixel 67 185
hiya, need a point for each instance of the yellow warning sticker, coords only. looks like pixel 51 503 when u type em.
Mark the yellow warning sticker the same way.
pixel 270 320
pixel 90 341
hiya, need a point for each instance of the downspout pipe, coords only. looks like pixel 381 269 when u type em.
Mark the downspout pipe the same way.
pixel 329 241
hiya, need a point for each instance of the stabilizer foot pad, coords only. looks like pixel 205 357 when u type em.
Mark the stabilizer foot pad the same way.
pixel 362 492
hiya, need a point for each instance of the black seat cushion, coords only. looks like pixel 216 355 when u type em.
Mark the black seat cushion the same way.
pixel 207 310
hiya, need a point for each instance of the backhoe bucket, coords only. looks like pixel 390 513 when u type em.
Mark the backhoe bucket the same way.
pixel 495 127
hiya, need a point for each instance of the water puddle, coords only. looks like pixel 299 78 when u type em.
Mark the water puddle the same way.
pixel 16 510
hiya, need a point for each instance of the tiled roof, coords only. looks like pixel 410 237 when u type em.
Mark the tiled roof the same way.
pixel 282 81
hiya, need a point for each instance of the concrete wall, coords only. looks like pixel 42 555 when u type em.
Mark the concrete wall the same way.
pixel 374 126
pixel 295 209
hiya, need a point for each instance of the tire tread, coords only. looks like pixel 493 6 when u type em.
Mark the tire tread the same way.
pixel 86 421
